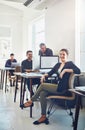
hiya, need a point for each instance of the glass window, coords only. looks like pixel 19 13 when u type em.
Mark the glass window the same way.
pixel 5 43
pixel 37 36
pixel 38 33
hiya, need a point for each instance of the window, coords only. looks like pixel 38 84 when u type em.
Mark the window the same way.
pixel 5 43
pixel 37 31
pixel 80 34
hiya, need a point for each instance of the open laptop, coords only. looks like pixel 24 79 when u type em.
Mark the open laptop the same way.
pixel 14 64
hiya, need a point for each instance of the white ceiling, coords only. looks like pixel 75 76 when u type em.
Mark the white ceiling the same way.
pixel 21 1
pixel 18 4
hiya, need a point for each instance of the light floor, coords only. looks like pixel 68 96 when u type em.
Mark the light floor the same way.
pixel 13 118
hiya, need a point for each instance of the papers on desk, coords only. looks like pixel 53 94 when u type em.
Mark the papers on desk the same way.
pixel 44 70
pixel 31 74
pixel 80 88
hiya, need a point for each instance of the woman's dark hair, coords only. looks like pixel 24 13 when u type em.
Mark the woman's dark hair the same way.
pixel 65 50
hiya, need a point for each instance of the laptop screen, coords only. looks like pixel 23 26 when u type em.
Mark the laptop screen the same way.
pixel 47 62
pixel 14 64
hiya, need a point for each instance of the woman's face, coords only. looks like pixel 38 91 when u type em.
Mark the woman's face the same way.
pixel 63 56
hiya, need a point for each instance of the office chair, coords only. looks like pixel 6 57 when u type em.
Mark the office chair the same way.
pixel 12 78
pixel 67 102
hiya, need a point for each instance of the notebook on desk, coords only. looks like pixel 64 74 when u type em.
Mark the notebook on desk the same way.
pixel 44 70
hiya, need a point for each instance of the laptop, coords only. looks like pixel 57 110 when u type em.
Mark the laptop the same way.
pixel 14 64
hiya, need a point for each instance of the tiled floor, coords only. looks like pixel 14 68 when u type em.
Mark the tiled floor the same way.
pixel 13 118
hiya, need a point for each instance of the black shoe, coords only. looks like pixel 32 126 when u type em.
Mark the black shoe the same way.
pixel 23 106
pixel 46 121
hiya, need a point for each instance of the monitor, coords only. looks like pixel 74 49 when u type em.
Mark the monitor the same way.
pixel 47 62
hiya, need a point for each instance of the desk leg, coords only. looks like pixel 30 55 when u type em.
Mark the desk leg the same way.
pixel 16 88
pixel 78 104
pixel 30 96
pixel 21 91
pixel 24 89
pixel 6 81
pixel 2 72
pixel 3 77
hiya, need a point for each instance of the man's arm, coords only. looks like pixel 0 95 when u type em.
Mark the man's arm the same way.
pixel 8 63
pixel 49 52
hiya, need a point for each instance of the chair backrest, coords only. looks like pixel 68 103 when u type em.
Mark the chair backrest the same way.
pixel 18 69
pixel 71 86
pixel 71 80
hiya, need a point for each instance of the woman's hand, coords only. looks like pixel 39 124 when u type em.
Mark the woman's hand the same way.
pixel 42 79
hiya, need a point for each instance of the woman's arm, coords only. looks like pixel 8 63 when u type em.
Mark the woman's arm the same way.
pixel 64 71
pixel 72 68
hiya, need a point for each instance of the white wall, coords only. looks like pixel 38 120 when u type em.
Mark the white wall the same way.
pixel 82 34
pixel 60 26
pixel 13 18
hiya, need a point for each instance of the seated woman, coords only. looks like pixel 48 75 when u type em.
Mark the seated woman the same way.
pixel 63 69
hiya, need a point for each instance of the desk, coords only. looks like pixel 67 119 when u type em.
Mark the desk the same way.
pixel 25 76
pixel 4 76
pixel 78 105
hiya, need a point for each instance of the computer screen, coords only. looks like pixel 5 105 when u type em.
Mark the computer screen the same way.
pixel 47 62
pixel 14 64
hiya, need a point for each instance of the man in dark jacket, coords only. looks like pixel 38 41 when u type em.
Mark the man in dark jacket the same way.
pixel 27 64
pixel 45 51
pixel 8 64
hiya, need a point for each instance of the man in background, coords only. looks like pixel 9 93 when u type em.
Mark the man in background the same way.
pixel 9 64
pixel 44 51
pixel 26 65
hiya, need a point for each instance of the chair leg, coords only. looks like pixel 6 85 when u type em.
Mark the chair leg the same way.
pixel 49 112
pixel 10 82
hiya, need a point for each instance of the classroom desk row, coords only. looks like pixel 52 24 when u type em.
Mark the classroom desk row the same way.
pixel 24 77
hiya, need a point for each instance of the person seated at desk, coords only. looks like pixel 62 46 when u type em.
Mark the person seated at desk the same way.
pixel 63 70
pixel 8 64
pixel 45 51
pixel 26 65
